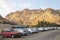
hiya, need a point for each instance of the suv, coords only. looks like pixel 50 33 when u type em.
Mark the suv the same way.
pixel 8 33
pixel 22 30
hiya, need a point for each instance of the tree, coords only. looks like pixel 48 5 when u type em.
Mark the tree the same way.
pixel 46 24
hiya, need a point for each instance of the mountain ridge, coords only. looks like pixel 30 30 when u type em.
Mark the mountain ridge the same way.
pixel 31 17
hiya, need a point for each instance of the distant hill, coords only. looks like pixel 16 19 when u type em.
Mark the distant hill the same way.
pixel 5 21
pixel 31 17
pixel 58 11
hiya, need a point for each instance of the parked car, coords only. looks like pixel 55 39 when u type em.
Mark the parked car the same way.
pixel 52 28
pixel 58 28
pixel 8 33
pixel 36 30
pixel 22 30
pixel 40 29
pixel 33 30
pixel 45 29
pixel 55 28
pixel 30 30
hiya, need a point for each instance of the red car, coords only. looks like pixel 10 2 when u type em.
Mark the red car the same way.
pixel 12 34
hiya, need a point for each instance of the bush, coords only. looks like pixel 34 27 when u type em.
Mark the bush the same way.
pixel 46 24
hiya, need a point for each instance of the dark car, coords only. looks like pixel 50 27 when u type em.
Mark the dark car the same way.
pixel 8 33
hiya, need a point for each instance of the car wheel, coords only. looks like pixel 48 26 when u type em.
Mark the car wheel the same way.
pixel 29 32
pixel 1 36
pixel 13 36
pixel 17 36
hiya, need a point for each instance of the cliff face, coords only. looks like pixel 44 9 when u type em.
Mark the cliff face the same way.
pixel 31 17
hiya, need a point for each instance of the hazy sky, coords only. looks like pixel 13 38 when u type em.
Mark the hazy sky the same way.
pixel 7 6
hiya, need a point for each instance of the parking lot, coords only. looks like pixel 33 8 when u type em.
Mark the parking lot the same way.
pixel 47 35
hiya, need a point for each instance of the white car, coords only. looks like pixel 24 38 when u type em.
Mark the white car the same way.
pixel 49 28
pixel 40 29
pixel 32 30
pixel 46 29
pixel 52 28
pixel 35 29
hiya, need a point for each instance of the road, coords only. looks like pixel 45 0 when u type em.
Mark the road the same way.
pixel 47 35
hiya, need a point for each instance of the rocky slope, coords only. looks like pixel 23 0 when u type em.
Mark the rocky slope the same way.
pixel 31 17
pixel 5 21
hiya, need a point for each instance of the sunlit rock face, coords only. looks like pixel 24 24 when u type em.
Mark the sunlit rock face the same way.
pixel 31 17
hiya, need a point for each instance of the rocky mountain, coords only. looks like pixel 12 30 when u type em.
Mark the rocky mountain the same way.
pixel 5 21
pixel 31 17
pixel 58 11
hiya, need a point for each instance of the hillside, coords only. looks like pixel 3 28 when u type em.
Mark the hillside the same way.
pixel 31 17
pixel 5 21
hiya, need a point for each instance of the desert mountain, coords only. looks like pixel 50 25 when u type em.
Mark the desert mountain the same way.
pixel 3 19
pixel 31 17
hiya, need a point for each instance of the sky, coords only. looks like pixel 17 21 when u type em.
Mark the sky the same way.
pixel 7 6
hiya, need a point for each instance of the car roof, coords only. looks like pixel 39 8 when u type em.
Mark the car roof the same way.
pixel 18 27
